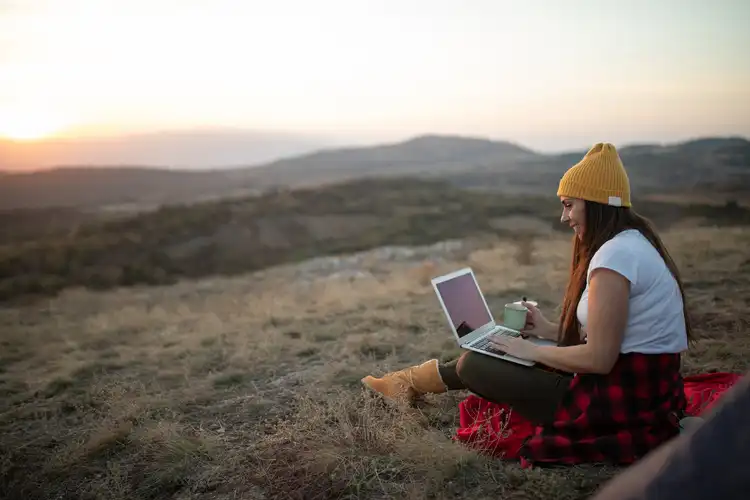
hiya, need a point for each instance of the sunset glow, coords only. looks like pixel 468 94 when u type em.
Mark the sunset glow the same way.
pixel 544 73
pixel 29 125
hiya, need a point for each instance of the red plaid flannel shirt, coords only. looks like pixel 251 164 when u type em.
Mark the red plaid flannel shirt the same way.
pixel 614 418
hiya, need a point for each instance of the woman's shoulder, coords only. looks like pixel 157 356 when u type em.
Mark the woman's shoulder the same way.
pixel 623 241
pixel 628 252
pixel 629 241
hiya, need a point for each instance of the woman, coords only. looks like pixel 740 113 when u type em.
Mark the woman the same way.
pixel 611 390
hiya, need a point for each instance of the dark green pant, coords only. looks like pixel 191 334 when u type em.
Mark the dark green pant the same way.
pixel 532 392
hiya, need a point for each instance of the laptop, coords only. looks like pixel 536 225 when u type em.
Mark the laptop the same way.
pixel 470 318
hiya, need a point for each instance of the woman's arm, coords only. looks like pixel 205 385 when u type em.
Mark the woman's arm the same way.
pixel 547 331
pixel 607 317
pixel 550 331
pixel 537 325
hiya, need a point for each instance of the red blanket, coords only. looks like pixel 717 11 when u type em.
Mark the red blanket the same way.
pixel 495 429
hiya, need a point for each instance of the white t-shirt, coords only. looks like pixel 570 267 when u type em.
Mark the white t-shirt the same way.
pixel 655 319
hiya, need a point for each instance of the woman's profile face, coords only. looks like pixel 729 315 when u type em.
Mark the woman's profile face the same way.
pixel 574 214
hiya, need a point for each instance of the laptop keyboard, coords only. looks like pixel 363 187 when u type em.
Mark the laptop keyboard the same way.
pixel 484 344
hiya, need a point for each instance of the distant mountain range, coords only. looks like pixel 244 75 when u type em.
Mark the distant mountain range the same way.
pixel 719 165
pixel 170 149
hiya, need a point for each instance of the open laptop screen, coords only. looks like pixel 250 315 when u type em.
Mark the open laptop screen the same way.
pixel 464 303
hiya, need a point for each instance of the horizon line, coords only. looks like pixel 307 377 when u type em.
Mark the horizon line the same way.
pixel 317 150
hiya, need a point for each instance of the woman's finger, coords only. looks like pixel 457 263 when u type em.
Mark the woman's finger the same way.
pixel 499 344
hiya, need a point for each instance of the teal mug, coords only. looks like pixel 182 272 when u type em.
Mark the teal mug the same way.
pixel 514 316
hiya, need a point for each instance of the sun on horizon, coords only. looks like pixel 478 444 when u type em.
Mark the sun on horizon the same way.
pixel 30 125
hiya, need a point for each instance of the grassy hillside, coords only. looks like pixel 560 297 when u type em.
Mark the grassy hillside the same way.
pixel 240 235
pixel 249 387
pixel 139 187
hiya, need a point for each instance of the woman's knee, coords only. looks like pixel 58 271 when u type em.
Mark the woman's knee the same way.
pixel 469 366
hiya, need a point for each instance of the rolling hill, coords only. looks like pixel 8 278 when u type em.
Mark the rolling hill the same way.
pixel 429 154
pixel 126 188
pixel 716 165
pixel 233 236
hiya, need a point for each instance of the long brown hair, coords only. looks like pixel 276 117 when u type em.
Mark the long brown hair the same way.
pixel 603 222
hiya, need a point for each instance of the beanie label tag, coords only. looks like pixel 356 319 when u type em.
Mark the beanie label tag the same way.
pixel 615 201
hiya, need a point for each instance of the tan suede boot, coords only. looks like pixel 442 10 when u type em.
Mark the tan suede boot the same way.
pixel 408 383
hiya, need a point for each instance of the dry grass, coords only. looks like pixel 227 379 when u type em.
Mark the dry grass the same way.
pixel 248 387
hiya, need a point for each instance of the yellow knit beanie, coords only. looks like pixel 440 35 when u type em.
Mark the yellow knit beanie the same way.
pixel 599 176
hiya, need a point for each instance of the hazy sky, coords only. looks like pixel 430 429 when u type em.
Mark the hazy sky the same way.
pixel 549 74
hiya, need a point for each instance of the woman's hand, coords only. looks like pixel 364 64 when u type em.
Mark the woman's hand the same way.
pixel 537 324
pixel 514 346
